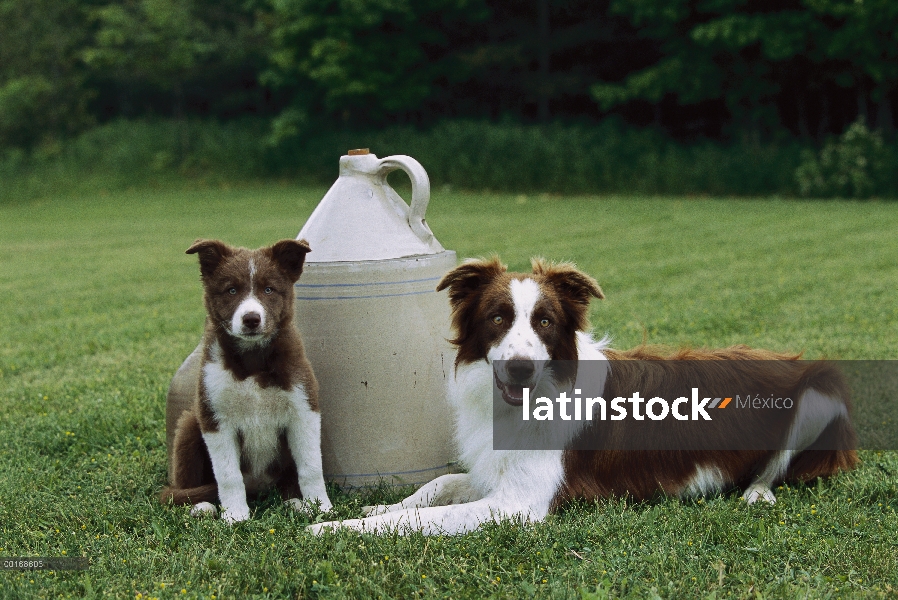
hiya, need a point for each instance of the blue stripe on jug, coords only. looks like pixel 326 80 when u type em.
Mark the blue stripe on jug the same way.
pixel 361 297
pixel 326 285
pixel 400 288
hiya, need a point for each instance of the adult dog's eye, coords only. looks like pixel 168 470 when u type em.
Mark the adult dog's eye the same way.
pixel 232 291
pixel 268 290
pixel 497 319
pixel 545 323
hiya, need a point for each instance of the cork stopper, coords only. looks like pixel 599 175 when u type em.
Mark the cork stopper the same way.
pixel 359 152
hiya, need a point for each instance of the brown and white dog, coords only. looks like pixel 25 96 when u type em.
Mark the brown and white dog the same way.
pixel 527 319
pixel 256 422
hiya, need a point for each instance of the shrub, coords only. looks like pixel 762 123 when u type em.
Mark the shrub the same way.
pixel 856 165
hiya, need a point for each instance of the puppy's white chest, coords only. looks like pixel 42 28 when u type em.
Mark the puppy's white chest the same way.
pixel 244 404
pixel 258 414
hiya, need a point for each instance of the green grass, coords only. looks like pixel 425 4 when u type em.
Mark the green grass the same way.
pixel 100 305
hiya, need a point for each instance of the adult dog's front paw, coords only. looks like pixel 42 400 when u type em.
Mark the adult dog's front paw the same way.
pixel 319 528
pixel 378 509
pixel 757 492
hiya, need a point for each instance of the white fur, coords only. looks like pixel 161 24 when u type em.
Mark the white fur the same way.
pixel 448 489
pixel 304 440
pixel 705 480
pixel 225 455
pixel 204 509
pixel 259 414
pixel 248 305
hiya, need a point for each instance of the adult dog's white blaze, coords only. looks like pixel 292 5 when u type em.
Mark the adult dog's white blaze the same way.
pixel 521 341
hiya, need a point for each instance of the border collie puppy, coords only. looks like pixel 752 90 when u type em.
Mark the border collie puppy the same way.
pixel 256 422
pixel 507 325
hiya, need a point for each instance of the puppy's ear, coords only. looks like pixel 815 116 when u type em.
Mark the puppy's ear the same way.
pixel 568 280
pixel 468 277
pixel 211 252
pixel 290 255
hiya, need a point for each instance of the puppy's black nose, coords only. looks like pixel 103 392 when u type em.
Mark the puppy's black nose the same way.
pixel 520 370
pixel 251 320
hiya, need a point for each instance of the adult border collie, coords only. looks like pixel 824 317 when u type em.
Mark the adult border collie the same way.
pixel 508 324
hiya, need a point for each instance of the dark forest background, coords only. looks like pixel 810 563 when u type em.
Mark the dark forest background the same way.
pixel 656 96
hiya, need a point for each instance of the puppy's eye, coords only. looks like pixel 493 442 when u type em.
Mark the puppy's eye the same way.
pixel 545 323
pixel 232 291
pixel 268 290
pixel 497 319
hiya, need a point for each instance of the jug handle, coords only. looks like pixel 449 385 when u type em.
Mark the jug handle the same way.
pixel 420 190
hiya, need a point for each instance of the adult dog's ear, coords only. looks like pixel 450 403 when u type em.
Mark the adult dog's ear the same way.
pixel 290 255
pixel 466 283
pixel 574 285
pixel 211 252
pixel 568 280
pixel 467 278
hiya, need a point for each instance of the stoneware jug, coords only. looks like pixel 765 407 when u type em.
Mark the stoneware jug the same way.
pixel 374 327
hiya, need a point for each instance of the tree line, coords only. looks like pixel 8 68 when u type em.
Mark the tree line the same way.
pixel 718 69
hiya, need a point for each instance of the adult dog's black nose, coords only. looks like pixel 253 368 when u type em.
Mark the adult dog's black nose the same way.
pixel 251 320
pixel 520 369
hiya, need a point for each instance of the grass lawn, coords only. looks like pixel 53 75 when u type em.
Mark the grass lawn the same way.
pixel 100 305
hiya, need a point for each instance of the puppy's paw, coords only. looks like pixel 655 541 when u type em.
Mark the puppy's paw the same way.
pixel 204 509
pixel 235 514
pixel 301 506
pixel 757 492
pixel 310 506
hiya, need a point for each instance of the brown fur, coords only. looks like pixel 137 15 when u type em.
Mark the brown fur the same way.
pixel 281 363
